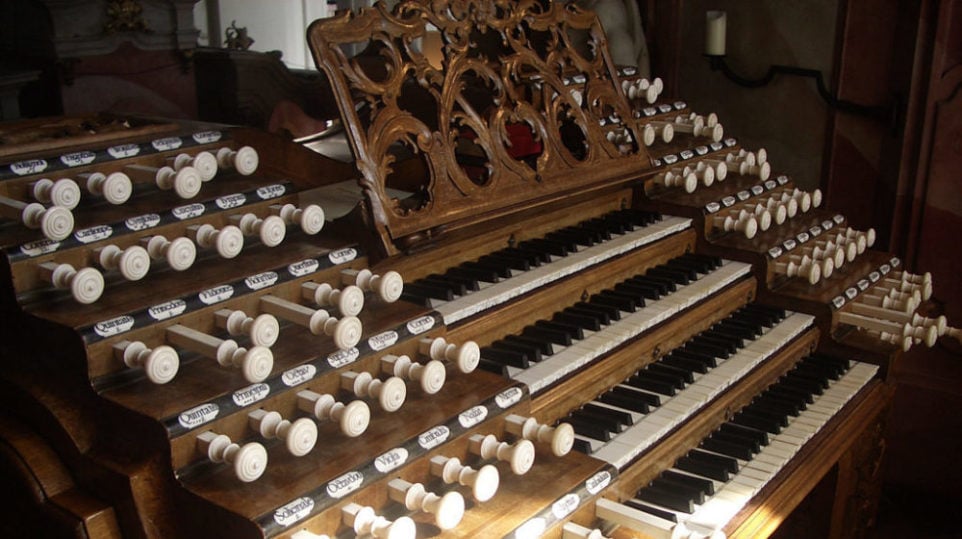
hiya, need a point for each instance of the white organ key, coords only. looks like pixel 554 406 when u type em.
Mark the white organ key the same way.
pixel 55 222
pixel 348 300
pixel 86 284
pixel 310 218
pixel 390 393
pixel 249 461
pixel 364 521
pixel 271 230
pixel 185 182
pixel 353 418
pixel 430 375
pixel 448 510
pixel 262 330
pixel 560 438
pixel 203 162
pixel 299 436
pixel 244 160
pixel 63 192
pixel 180 253
pixel 572 530
pixel 160 364
pixel 133 262
pixel 345 332
pixel 502 291
pixel 483 482
pixel 464 356
pixel 388 286
pixel 520 455
pixel 255 364
pixel 115 187
pixel 227 241
pixel 305 534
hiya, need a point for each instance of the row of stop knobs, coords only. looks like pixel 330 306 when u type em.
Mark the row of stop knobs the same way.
pixel 161 363
pixel 447 509
pixel 54 199
pixel 133 262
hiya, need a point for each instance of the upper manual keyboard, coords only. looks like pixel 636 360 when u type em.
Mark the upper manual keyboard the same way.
pixel 498 277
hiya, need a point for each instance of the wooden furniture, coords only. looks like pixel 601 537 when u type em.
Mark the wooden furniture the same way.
pixel 180 404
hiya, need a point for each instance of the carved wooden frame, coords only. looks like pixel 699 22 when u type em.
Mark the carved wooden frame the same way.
pixel 535 78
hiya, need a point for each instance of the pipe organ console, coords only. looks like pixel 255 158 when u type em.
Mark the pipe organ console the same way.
pixel 544 300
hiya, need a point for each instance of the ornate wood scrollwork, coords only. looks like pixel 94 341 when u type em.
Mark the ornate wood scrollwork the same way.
pixel 518 112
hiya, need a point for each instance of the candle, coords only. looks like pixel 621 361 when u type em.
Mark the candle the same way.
pixel 715 33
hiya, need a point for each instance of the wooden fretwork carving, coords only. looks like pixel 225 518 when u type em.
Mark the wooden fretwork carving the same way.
pixel 516 114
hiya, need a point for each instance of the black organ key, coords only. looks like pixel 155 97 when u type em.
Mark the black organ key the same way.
pixel 519 263
pixel 664 286
pixel 726 463
pixel 639 290
pixel 603 229
pixel 760 437
pixel 428 291
pixel 729 345
pixel 568 239
pixel 622 302
pixel 684 363
pixel 670 516
pixel 663 376
pixel 685 375
pixel 506 357
pixel 707 359
pixel 458 288
pixel 611 312
pixel 740 440
pixel 580 321
pixel 693 493
pixel 666 498
pixel 706 348
pixel 610 423
pixel 574 332
pixel 648 384
pixel 545 348
pixel 688 270
pixel 582 446
pixel 601 316
pixel 532 352
pixel 705 469
pixel 726 448
pixel 588 429
pixel 562 338
pixel 678 276
pixel 546 247
pixel 776 405
pixel 479 274
pixel 704 485
pixel 496 268
pixel 493 366
pixel 625 401
pixel 624 417
pixel 736 327
pixel 532 257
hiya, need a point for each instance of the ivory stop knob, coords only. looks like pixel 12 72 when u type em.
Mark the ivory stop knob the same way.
pixel 299 435
pixel 55 222
pixel 561 438
pixel 133 262
pixel 249 461
pixel 448 509
pixel 353 418
pixel 364 520
pixel 520 455
pixel 244 160
pixel 228 241
pixel 310 218
pixel 348 300
pixel 180 253
pixel 204 163
pixel 115 187
pixel 466 356
pixel 484 482
pixel 160 364
pixel 86 284
pixel 271 230
pixel 63 192
pixel 430 375
pixel 263 329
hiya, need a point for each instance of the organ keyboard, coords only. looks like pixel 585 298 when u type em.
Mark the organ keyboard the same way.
pixel 558 304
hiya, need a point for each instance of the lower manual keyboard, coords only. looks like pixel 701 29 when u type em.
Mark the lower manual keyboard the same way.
pixel 707 487
pixel 666 410
pixel 629 323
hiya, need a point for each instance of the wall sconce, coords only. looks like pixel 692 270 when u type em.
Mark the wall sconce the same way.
pixel 716 22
